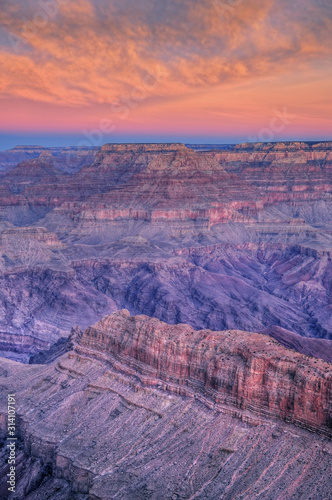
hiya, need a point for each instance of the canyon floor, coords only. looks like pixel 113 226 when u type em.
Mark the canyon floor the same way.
pixel 231 248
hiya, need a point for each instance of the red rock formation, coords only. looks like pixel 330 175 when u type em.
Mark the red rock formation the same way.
pixel 141 409
pixel 245 370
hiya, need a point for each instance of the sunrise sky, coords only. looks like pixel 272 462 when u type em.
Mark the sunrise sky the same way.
pixel 85 72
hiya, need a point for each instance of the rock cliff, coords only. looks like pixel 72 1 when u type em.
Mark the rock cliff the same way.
pixel 241 369
pixel 141 409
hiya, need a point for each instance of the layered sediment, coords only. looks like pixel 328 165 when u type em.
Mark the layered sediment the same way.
pixel 241 369
pixel 233 238
pixel 141 409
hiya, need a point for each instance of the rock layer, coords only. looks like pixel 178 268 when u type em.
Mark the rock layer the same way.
pixel 232 238
pixel 141 409
pixel 245 370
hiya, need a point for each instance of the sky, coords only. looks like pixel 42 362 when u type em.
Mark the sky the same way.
pixel 86 72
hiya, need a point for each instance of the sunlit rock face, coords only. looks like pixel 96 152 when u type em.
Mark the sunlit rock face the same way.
pixel 236 238
pixel 141 409
pixel 241 369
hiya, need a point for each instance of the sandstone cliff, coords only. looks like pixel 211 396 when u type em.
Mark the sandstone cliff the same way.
pixel 245 370
pixel 141 409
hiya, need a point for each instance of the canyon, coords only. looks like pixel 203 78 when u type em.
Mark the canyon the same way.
pixel 166 321
pixel 138 408
pixel 237 237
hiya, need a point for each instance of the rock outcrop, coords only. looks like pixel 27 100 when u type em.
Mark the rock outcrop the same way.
pixel 245 370
pixel 141 409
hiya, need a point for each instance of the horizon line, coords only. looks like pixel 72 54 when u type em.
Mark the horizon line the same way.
pixel 168 143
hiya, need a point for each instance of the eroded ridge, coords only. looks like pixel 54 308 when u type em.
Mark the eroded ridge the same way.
pixel 247 370
pixel 141 409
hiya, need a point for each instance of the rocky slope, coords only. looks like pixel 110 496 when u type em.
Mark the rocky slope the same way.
pixel 141 409
pixel 319 348
pixel 219 288
pixel 234 238
pixel 245 370
pixel 67 159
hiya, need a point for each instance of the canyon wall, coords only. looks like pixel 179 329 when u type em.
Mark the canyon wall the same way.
pixel 235 238
pixel 241 369
pixel 141 409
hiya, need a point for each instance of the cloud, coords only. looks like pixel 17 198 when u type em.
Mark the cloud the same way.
pixel 79 52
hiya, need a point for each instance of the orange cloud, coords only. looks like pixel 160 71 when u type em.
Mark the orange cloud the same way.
pixel 87 53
